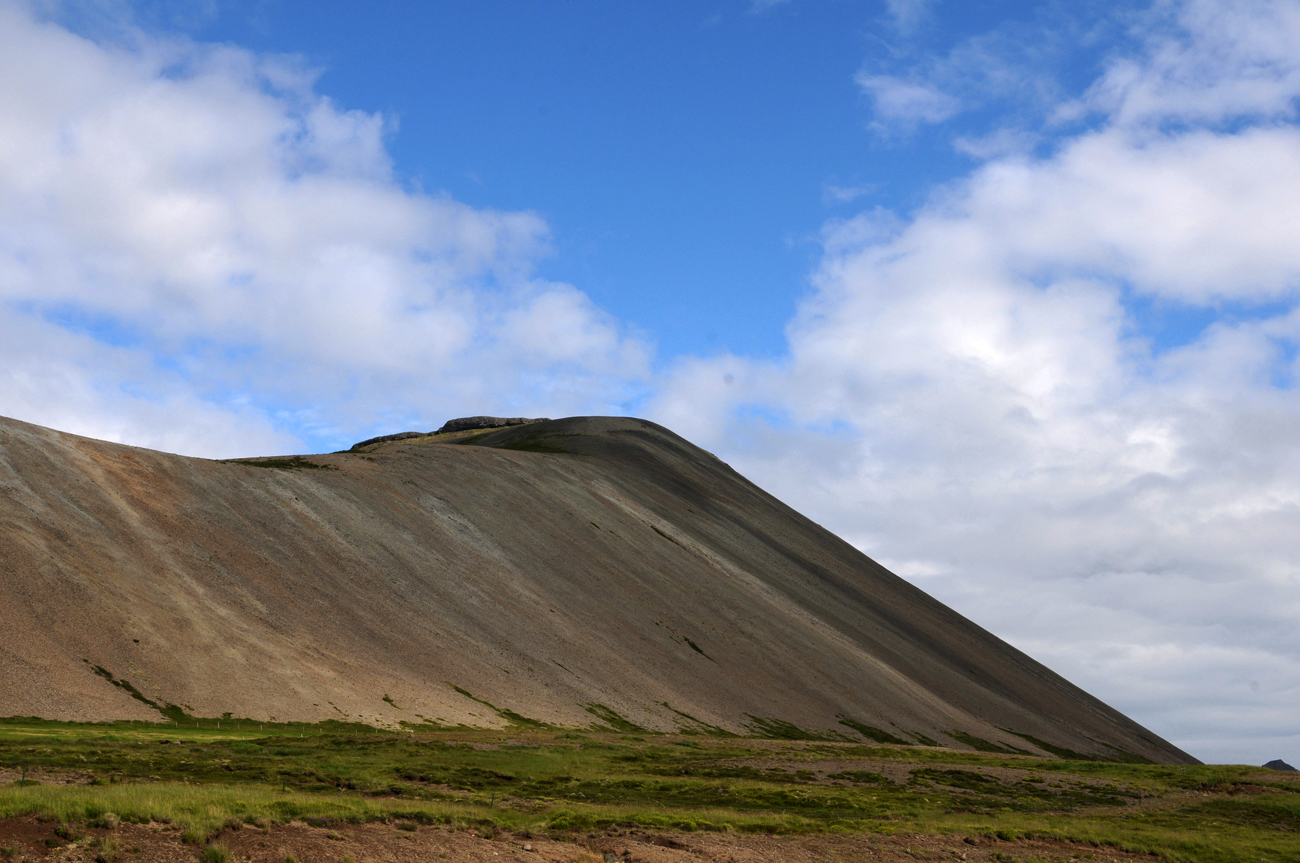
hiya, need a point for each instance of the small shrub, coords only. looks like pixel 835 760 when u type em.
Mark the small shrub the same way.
pixel 289 858
pixel 407 825
pixel 105 820
pixel 108 850
pixel 193 836
pixel 215 854
pixel 565 820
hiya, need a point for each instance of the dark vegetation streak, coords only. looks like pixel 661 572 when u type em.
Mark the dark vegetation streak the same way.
pixel 614 720
pixel 171 711
pixel 296 462
pixel 516 720
pixel 870 732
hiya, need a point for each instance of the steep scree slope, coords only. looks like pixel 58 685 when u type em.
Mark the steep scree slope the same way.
pixel 572 572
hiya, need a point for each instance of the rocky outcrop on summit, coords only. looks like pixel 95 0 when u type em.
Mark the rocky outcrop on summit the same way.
pixel 472 423
pixel 456 425
pixel 385 438
pixel 1279 764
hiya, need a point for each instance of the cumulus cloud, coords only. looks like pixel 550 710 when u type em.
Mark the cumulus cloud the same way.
pixel 972 397
pixel 1206 61
pixel 201 220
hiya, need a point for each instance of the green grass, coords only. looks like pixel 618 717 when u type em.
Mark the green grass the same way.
pixel 199 777
pixel 215 854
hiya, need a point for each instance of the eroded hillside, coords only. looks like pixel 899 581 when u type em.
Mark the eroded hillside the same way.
pixel 577 571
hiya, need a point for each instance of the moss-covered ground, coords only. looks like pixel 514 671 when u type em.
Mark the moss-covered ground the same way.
pixel 200 776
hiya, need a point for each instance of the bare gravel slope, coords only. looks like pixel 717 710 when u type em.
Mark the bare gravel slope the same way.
pixel 570 571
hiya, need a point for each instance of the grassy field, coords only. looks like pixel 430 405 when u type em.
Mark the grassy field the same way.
pixel 201 776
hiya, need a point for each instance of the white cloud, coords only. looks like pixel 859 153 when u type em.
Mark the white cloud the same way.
pixel 1207 61
pixel 1002 64
pixel 1000 143
pixel 834 194
pixel 1198 216
pixel 1015 70
pixel 73 383
pixel 907 102
pixel 907 14
pixel 204 210
pixel 969 396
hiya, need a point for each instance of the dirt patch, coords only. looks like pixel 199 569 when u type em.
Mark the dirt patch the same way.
pixel 45 777
pixel 731 848
pixel 27 839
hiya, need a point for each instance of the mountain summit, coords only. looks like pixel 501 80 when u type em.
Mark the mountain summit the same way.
pixel 577 572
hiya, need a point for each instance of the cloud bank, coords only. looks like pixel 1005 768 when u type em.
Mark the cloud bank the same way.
pixel 191 231
pixel 988 397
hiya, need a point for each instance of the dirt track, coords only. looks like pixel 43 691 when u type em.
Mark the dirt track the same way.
pixel 27 839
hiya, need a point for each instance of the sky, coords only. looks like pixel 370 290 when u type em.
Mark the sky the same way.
pixel 1004 293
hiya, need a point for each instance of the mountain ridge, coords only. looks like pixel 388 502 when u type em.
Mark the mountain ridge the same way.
pixel 570 572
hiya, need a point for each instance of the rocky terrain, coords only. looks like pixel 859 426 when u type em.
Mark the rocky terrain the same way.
pixel 576 572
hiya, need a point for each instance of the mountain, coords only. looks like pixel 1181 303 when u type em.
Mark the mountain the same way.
pixel 576 572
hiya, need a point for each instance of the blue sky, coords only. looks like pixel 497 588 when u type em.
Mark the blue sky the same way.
pixel 1006 294
pixel 684 155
